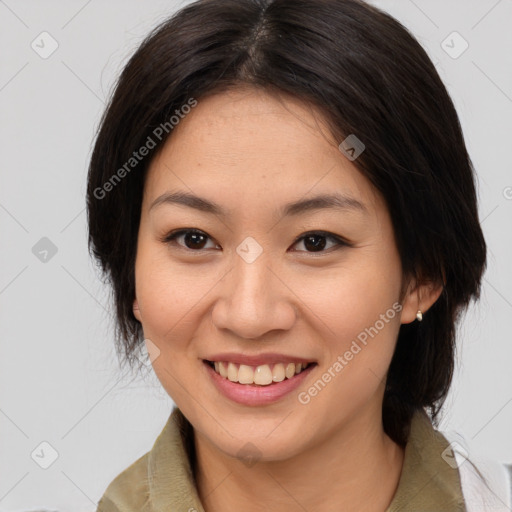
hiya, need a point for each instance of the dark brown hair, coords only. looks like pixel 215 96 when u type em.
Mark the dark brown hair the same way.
pixel 369 77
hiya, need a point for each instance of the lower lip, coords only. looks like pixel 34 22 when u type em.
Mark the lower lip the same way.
pixel 252 394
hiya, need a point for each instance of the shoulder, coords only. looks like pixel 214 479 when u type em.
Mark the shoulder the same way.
pixel 158 478
pixel 486 483
pixel 129 491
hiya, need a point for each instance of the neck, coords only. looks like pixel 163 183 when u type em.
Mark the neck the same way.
pixel 358 467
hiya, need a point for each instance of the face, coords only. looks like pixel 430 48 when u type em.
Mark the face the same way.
pixel 263 285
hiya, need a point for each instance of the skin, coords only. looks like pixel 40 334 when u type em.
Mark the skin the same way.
pixel 252 152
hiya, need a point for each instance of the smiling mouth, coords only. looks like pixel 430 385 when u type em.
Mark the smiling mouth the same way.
pixel 262 375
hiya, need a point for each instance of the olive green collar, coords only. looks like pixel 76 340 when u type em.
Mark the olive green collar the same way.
pixel 427 482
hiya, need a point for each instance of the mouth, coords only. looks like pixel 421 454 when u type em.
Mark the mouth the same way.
pixel 261 375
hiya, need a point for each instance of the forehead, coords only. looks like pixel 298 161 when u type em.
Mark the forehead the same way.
pixel 247 144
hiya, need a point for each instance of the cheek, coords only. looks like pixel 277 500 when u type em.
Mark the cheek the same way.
pixel 360 318
pixel 359 328
pixel 349 299
pixel 168 296
pixel 170 300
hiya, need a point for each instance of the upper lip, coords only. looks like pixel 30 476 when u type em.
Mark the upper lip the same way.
pixel 256 360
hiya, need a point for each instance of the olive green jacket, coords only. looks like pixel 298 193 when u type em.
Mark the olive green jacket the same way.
pixel 162 479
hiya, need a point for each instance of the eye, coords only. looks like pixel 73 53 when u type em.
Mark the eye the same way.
pixel 193 239
pixel 196 240
pixel 315 241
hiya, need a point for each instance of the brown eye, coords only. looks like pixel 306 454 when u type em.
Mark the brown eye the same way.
pixel 193 239
pixel 316 241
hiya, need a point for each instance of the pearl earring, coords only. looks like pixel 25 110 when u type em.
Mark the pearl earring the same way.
pixel 419 315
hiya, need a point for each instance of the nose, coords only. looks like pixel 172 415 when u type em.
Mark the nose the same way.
pixel 253 300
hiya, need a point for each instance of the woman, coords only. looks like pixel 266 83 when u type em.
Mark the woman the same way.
pixel 282 199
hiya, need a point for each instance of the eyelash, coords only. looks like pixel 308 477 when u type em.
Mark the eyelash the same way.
pixel 170 238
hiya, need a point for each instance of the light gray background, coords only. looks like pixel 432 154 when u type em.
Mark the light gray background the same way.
pixel 60 381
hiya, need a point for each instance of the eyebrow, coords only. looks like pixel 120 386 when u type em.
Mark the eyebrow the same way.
pixel 325 201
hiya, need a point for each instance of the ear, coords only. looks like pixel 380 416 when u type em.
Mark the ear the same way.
pixel 419 296
pixel 136 311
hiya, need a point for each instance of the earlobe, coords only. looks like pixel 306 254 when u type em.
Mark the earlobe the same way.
pixel 136 311
pixel 418 300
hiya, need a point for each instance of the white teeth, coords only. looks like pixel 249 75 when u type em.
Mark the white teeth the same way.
pixel 278 374
pixel 232 372
pixel 245 374
pixel 223 370
pixel 262 375
pixel 290 370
